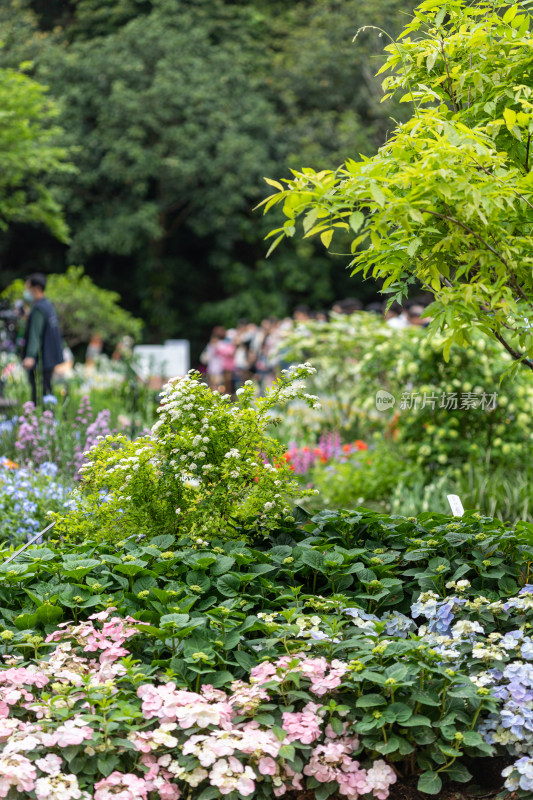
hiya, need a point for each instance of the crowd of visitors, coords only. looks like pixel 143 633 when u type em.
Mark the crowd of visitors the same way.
pixel 251 351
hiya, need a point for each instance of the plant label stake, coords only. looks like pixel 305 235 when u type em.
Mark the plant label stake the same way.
pixel 456 505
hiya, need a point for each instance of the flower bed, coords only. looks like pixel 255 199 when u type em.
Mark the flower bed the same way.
pixel 245 648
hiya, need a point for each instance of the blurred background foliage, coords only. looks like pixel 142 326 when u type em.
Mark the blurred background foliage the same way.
pixel 173 111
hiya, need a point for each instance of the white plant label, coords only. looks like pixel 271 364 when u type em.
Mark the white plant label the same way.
pixel 456 505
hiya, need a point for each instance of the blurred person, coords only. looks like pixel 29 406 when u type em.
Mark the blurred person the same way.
pixel 415 315
pixel 43 347
pixel 65 370
pixel 124 349
pixel 263 346
pixel 213 358
pixel 94 350
pixel 244 337
pixel 347 306
pixel 301 314
pixel 226 349
pixel 374 308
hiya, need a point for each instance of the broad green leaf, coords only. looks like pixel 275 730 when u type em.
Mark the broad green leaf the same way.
pixel 429 782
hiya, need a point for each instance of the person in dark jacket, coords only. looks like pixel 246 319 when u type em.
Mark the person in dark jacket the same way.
pixel 43 349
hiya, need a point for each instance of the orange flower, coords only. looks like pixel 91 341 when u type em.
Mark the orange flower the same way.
pixel 347 448
pixel 10 464
pixel 360 445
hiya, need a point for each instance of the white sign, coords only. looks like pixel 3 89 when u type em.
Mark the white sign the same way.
pixel 456 505
pixel 169 360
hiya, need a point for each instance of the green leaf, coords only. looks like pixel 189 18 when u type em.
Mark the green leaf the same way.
pixel 197 578
pixel 144 583
pixel 417 720
pixel 510 118
pixel 107 763
pixel 458 772
pixel 310 219
pixel 440 16
pixel 472 738
pixel 223 564
pixel 174 621
pixel 25 621
pixel 209 793
pixel 390 746
pixel 48 614
pixel 510 13
pixel 228 585
pixel 429 782
pixel 244 659
pixel 370 700
pixel 313 558
pixel 377 194
pixel 356 220
pixel 326 237
pixel 287 751
pixel 275 184
pixel 80 569
pixel 164 542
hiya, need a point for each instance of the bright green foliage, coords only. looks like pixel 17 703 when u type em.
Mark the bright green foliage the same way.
pixel 448 200
pixel 208 468
pixel 84 308
pixel 29 155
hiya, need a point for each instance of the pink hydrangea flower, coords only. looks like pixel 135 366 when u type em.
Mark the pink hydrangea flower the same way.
pixel 16 771
pixel 51 764
pixel 247 697
pixel 380 777
pixel 229 775
pixel 73 731
pixel 256 739
pixel 57 787
pixel 303 726
pixel 267 766
pixel 121 786
pixel 186 708
pixel 24 676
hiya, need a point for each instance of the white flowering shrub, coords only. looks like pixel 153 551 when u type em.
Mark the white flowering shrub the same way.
pixel 208 468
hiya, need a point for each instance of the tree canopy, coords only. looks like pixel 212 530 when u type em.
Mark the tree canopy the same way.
pixel 29 156
pixel 448 199
pixel 176 110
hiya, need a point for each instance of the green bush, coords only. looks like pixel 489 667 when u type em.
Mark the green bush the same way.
pixel 364 355
pixel 208 468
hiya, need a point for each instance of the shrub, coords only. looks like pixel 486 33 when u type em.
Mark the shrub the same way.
pixel 208 468
pixel 443 414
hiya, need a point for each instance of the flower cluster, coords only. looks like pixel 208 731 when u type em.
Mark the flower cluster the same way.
pixel 27 496
pixel 329 448
pixel 181 741
pixel 42 437
pixel 509 679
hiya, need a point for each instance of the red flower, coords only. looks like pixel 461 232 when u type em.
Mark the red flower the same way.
pixel 360 445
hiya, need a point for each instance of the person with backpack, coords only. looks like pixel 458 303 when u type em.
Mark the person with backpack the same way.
pixel 43 347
